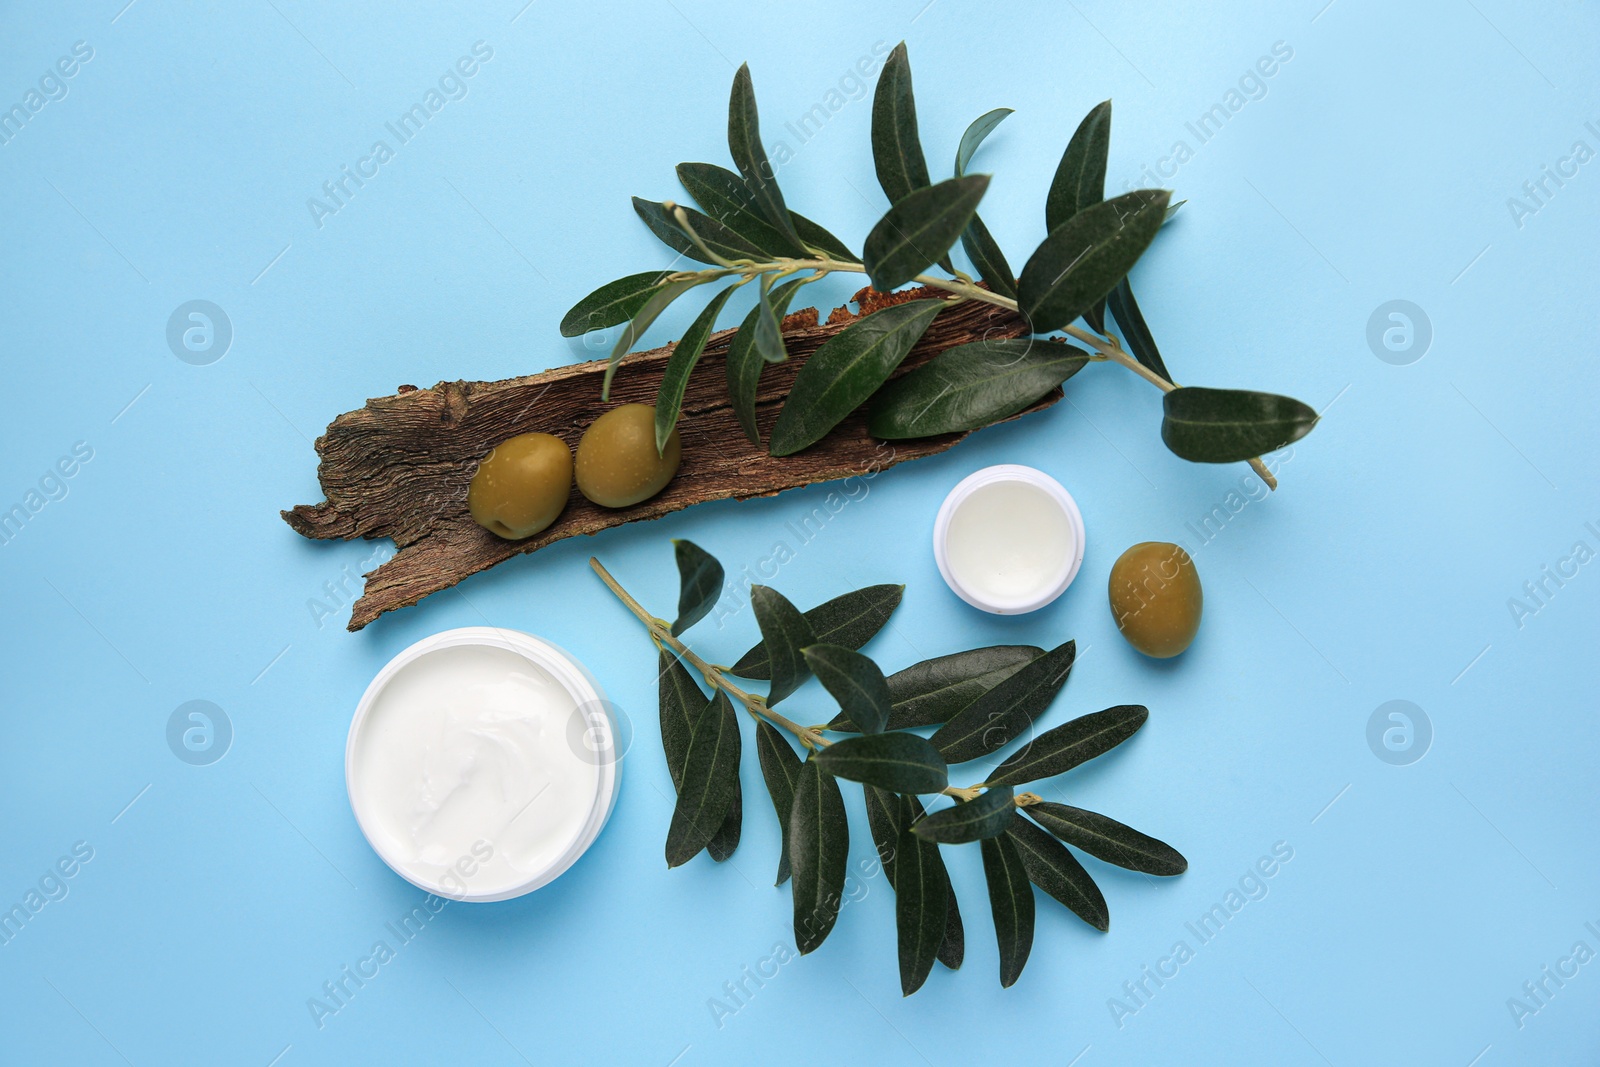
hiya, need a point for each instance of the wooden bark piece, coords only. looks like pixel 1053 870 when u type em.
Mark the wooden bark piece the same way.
pixel 400 466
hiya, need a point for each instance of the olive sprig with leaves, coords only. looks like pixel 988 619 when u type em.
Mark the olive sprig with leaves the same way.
pixel 979 701
pixel 747 233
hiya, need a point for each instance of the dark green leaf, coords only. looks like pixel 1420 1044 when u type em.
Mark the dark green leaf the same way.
pixel 1005 712
pixel 859 687
pixel 780 769
pixel 820 239
pixel 700 581
pixel 921 907
pixel 973 137
pixel 718 238
pixel 931 692
pixel 1134 330
pixel 635 329
pixel 887 815
pixel 784 632
pixel 849 620
pixel 685 354
pixel 745 363
pixel 1080 179
pixel 612 303
pixel 681 700
pixel 896 145
pixel 972 385
pixel 905 763
pixel 847 369
pixel 724 196
pixel 1011 901
pixel 916 232
pixel 710 780
pixel 1060 749
pixel 1055 870
pixel 972 820
pixel 953 949
pixel 726 840
pixel 1109 839
pixel 1227 425
pixel 987 259
pixel 744 143
pixel 819 845
pixel 1084 258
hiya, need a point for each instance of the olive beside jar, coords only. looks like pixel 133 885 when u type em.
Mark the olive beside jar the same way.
pixel 523 484
pixel 1156 598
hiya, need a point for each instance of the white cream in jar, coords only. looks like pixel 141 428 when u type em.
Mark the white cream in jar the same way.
pixel 1008 539
pixel 473 767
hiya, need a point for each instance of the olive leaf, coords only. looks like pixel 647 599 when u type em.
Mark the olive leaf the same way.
pixel 859 687
pixel 888 816
pixel 932 691
pixel 1108 839
pixel 769 326
pixel 784 632
pixel 1134 330
pixel 1080 179
pixel 710 780
pixel 685 354
pixel 1056 871
pixel 659 301
pixel 849 620
pixel 725 841
pixel 1006 711
pixel 780 769
pixel 921 907
pixel 918 231
pixel 718 238
pixel 612 303
pixel 1011 903
pixel 902 762
pixel 819 845
pixel 896 144
pixel 700 579
pixel 971 385
pixel 987 259
pixel 820 239
pixel 745 361
pixel 1060 749
pixel 980 128
pixel 973 820
pixel 845 370
pixel 1226 425
pixel 724 196
pixel 1085 257
pixel 681 700
pixel 744 144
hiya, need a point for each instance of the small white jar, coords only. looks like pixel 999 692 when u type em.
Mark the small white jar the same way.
pixel 481 763
pixel 1008 539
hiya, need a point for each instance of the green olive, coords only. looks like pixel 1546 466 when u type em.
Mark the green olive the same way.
pixel 522 486
pixel 618 465
pixel 1155 598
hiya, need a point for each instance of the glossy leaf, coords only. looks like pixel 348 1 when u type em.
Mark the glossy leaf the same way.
pixel 725 841
pixel 745 362
pixel 1057 871
pixel 1084 258
pixel 859 687
pixel 888 815
pixel 980 128
pixel 1109 839
pixel 987 259
pixel 612 303
pixel 1005 712
pixel 710 780
pixel 700 580
pixel 917 231
pixel 819 238
pixel 849 620
pixel 685 354
pixel 898 761
pixel 931 692
pixel 784 632
pixel 1080 179
pixel 896 144
pixel 720 239
pixel 1227 425
pixel 780 769
pixel 744 144
pixel 641 322
pixel 1011 903
pixel 681 700
pixel 972 385
pixel 846 370
pixel 921 907
pixel 1064 747
pixel 973 820
pixel 724 196
pixel 1134 331
pixel 819 845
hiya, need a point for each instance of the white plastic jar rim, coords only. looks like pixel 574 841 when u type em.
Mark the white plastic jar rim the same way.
pixel 585 692
pixel 1009 472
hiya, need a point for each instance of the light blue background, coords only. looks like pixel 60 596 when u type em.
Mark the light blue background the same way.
pixel 1377 166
